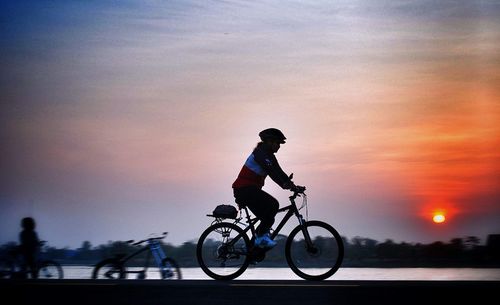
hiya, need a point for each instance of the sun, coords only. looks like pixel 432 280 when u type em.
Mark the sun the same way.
pixel 438 218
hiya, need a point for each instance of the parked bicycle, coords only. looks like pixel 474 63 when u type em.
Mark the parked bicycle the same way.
pixel 116 268
pixel 314 250
pixel 12 266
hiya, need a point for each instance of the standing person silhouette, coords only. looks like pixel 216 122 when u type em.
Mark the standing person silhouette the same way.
pixel 29 246
pixel 248 186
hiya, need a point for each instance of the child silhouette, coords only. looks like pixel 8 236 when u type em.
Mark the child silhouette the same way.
pixel 29 246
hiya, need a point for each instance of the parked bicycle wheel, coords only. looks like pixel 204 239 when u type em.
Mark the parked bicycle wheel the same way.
pixel 170 270
pixel 6 267
pixel 321 260
pixel 108 269
pixel 50 270
pixel 222 251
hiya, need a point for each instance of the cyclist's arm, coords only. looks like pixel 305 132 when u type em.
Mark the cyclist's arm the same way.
pixel 273 169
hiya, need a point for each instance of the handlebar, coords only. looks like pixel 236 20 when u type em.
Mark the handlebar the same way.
pixel 298 191
pixel 164 234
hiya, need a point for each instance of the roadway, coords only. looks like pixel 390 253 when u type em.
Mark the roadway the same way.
pixel 207 292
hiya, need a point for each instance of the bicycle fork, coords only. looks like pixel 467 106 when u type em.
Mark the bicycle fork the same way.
pixel 159 256
pixel 158 253
pixel 307 237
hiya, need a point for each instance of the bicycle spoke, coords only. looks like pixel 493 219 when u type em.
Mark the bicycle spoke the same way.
pixel 50 270
pixel 317 258
pixel 222 251
pixel 109 269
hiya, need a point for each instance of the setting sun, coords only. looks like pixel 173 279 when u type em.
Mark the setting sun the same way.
pixel 438 218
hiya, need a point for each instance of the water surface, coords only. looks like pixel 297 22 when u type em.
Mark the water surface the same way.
pixel 369 274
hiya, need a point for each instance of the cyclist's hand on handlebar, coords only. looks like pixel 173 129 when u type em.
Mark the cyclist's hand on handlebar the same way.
pixel 298 189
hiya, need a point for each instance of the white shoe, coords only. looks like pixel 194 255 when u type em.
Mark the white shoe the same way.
pixel 264 241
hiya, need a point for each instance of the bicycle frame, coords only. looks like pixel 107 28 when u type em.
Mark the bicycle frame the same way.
pixel 290 209
pixel 155 250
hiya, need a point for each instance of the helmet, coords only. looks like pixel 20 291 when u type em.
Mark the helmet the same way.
pixel 272 134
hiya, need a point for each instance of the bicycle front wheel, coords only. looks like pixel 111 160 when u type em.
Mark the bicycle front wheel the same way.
pixel 170 269
pixel 50 270
pixel 320 258
pixel 222 251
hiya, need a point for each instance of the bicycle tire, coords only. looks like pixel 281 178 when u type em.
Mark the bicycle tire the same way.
pixel 50 270
pixel 212 255
pixel 331 246
pixel 6 269
pixel 170 269
pixel 115 268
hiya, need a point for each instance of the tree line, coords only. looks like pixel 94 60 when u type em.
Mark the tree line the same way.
pixel 359 252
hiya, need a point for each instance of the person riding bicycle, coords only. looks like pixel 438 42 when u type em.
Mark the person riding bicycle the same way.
pixel 248 185
pixel 29 246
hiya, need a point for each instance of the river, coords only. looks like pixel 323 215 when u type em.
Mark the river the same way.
pixel 369 274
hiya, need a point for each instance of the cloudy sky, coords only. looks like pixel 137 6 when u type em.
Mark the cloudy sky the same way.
pixel 123 118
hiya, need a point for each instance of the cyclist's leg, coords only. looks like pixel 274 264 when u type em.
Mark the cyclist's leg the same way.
pixel 31 263
pixel 262 205
pixel 267 208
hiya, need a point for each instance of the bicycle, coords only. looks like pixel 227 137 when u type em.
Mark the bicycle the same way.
pixel 115 268
pixel 314 249
pixel 13 267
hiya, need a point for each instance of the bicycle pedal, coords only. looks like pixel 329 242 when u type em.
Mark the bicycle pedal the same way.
pixel 257 255
pixel 260 257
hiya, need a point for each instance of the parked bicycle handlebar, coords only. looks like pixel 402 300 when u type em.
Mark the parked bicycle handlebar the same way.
pixel 164 234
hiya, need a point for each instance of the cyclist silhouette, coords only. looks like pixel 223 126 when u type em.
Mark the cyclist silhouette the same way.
pixel 29 246
pixel 248 186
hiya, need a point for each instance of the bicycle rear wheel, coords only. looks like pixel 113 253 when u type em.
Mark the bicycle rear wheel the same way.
pixel 222 251
pixel 109 269
pixel 320 260
pixel 50 270
pixel 6 269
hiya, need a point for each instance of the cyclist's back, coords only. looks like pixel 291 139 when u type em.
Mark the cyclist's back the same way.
pixel 257 167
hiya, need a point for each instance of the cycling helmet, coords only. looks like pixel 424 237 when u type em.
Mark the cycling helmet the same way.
pixel 272 134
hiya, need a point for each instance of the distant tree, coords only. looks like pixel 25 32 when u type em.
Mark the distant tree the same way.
pixel 386 249
pixel 85 252
pixel 435 250
pixel 186 253
pixel 359 251
pixel 456 247
pixel 86 246
pixel 471 242
pixel 5 248
pixel 362 248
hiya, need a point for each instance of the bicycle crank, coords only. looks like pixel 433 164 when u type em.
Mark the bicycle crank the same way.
pixel 258 254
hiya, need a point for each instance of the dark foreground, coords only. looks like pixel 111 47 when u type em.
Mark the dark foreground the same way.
pixel 69 292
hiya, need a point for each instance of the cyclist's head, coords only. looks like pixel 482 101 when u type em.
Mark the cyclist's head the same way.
pixel 272 134
pixel 28 223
